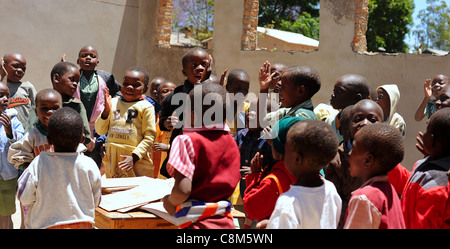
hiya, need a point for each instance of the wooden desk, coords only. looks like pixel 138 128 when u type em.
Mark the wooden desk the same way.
pixel 129 220
pixel 139 220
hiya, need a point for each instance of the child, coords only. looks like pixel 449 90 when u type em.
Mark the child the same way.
pixel 62 188
pixel 129 121
pixel 298 86
pixel 312 202
pixel 431 89
pixel 205 165
pixel 238 83
pixel 22 93
pixel 162 140
pixel 11 130
pixel 377 149
pixel 92 84
pixel 388 98
pixel 426 195
pixel 348 90
pixel 443 99
pixel 264 186
pixel 22 152
pixel 195 63
pixel 153 98
pixel 362 113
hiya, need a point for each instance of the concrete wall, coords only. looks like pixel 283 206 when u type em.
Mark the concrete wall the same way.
pixel 124 31
pixel 43 30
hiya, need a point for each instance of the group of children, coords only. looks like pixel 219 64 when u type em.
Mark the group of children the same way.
pixel 333 166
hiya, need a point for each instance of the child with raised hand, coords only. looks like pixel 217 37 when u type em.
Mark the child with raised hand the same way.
pixel 205 173
pixel 92 84
pixel 377 149
pixel 62 188
pixel 11 130
pixel 426 195
pixel 22 93
pixel 312 202
pixel 432 87
pixel 129 121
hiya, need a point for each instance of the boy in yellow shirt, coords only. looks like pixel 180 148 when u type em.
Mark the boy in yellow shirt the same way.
pixel 129 121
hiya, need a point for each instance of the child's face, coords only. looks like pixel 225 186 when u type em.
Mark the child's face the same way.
pixel 439 81
pixel 278 70
pixel 384 102
pixel 15 66
pixel 443 100
pixel 88 58
pixel 368 113
pixel 154 88
pixel 341 96
pixel 47 105
pixel 165 90
pixel 196 65
pixel 133 86
pixel 289 92
pixel 67 83
pixel 4 97
pixel 358 157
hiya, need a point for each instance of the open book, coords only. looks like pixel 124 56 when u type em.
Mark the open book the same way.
pixel 141 191
pixel 157 209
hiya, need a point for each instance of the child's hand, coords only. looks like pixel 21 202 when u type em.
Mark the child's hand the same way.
pixel 223 78
pixel 419 144
pixel 265 77
pixel 428 89
pixel 256 163
pixel 108 104
pixel 262 224
pixel 91 145
pixel 5 120
pixel 171 121
pixel 3 72
pixel 160 147
pixel 128 162
pixel 168 206
pixel 63 58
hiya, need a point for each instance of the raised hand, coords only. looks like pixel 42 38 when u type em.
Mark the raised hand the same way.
pixel 265 77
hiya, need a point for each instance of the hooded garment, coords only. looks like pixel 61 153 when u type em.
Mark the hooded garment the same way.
pixel 394 118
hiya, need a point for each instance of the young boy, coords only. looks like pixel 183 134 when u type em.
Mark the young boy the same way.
pixel 92 84
pixel 153 98
pixel 312 202
pixel 129 121
pixel 238 83
pixel 377 149
pixel 298 86
pixel 62 188
pixel 162 140
pixel 426 195
pixel 11 130
pixel 195 63
pixel 443 99
pixel 348 90
pixel 205 173
pixel 22 152
pixel 388 98
pixel 22 93
pixel 431 89
pixel 361 114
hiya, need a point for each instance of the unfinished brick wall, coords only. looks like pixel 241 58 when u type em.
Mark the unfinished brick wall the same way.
pixel 250 25
pixel 359 43
pixel 164 26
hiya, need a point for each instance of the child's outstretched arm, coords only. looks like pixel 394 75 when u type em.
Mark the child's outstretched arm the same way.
pixel 427 95
pixel 180 193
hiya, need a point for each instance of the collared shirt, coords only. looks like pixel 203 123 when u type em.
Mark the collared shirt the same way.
pixel 304 109
pixel 88 92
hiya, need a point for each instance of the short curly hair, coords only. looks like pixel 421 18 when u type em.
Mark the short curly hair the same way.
pixel 65 129
pixel 315 140
pixel 385 143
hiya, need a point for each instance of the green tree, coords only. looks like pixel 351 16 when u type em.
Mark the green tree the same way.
pixel 388 23
pixel 433 31
pixel 299 16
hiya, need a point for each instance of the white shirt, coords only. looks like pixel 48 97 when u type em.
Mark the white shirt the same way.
pixel 60 188
pixel 307 208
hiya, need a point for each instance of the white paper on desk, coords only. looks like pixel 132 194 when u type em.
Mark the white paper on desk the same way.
pixel 143 194
pixel 157 209
pixel 125 182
